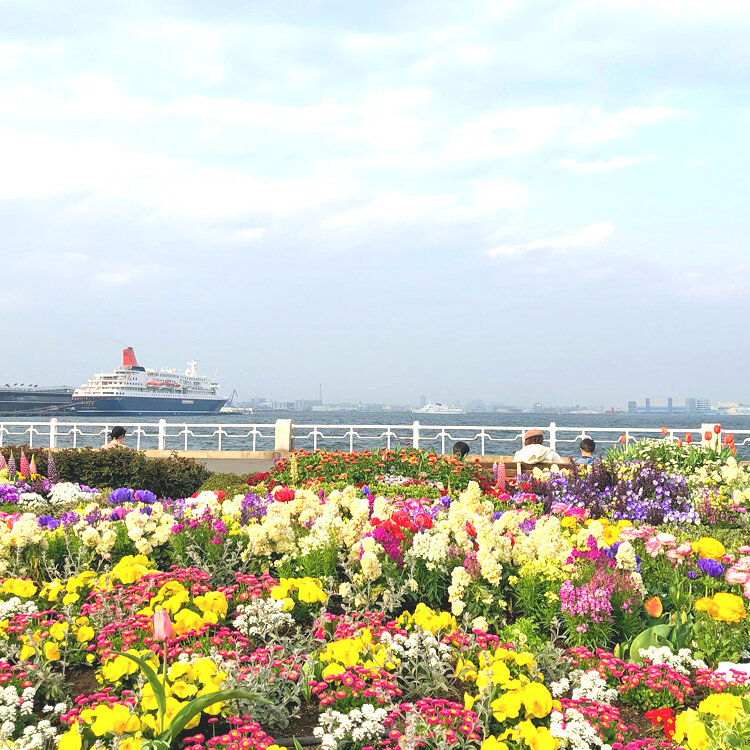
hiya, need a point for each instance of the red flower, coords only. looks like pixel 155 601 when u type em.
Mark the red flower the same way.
pixel 423 520
pixel 283 494
pixel 664 430
pixel 707 436
pixel 679 442
pixel 717 429
pixel 623 438
pixel 401 517
pixel 688 438
pixel 470 530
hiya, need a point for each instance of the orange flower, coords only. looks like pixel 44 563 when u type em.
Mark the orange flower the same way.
pixel 654 606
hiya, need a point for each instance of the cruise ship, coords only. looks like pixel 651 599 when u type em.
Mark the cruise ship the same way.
pixel 438 409
pixel 34 399
pixel 135 390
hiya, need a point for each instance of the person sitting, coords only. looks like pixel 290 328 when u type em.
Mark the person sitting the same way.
pixel 116 439
pixel 461 449
pixel 534 452
pixel 588 446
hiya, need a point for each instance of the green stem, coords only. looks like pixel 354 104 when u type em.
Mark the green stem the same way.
pixel 164 683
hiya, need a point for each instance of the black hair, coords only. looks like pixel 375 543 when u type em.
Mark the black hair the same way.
pixel 534 440
pixel 117 433
pixel 588 445
pixel 460 448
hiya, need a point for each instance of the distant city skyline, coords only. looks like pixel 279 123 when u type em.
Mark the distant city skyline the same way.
pixel 499 199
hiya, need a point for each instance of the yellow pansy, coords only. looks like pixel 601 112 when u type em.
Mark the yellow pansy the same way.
pixel 537 700
pixel 59 631
pixel 115 718
pixel 85 634
pixel 71 740
pixel 51 651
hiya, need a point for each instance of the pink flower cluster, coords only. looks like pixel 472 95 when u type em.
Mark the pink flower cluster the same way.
pixel 445 722
pixel 245 734
pixel 657 684
pixel 355 687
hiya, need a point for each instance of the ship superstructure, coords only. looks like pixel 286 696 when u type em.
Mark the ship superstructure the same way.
pixel 133 389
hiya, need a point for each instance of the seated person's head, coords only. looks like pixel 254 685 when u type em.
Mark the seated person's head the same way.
pixel 533 437
pixel 588 446
pixel 460 449
pixel 118 433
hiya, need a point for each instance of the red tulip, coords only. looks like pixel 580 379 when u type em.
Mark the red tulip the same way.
pixel 664 430
pixel 730 437
pixel 654 606
pixel 623 438
pixel 717 429
pixel 688 438
pixel 707 436
pixel 401 517
pixel 470 530
pixel 679 442
pixel 163 628
pixel 423 520
pixel 283 494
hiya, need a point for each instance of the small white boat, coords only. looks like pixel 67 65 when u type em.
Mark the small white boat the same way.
pixel 438 409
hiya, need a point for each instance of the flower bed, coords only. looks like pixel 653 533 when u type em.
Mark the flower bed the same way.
pixel 381 600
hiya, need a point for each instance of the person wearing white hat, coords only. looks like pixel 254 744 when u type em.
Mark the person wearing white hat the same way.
pixel 534 451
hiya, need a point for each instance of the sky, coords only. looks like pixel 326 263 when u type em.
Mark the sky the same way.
pixel 507 200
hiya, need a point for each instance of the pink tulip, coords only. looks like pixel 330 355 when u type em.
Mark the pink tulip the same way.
pixel 163 628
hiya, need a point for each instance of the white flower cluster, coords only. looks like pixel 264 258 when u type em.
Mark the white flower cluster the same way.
pixel 13 705
pixel 67 495
pixel 32 502
pixel 359 726
pixel 261 617
pixel 150 530
pixel 35 737
pixel 574 732
pixel 16 606
pixel 681 662
pixel 590 685
pixel 460 581
pixel 26 532
pixel 418 646
pixel 431 547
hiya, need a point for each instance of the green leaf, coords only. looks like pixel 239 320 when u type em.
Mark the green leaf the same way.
pixel 154 681
pixel 189 712
pixel 658 635
pixel 297 746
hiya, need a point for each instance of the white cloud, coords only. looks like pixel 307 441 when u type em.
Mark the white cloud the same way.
pixel 245 236
pixel 604 165
pixel 689 9
pixel 86 97
pixel 521 130
pixel 378 117
pixel 110 178
pixel 368 44
pixel 492 197
pixel 391 208
pixel 587 238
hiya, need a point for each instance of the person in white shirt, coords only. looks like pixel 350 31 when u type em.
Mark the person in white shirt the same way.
pixel 534 452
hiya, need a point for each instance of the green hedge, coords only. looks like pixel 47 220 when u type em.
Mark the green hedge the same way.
pixel 173 477
pixel 231 484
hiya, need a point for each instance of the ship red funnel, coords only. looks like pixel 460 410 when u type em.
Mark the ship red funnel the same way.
pixel 128 358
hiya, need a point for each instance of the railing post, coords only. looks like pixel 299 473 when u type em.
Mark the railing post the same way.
pixel 553 436
pixel 284 435
pixel 415 434
pixel 53 433
pixel 161 438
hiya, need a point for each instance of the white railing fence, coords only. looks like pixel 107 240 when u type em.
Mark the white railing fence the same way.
pixel 482 440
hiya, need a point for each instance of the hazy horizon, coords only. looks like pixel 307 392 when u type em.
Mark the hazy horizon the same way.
pixel 504 200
